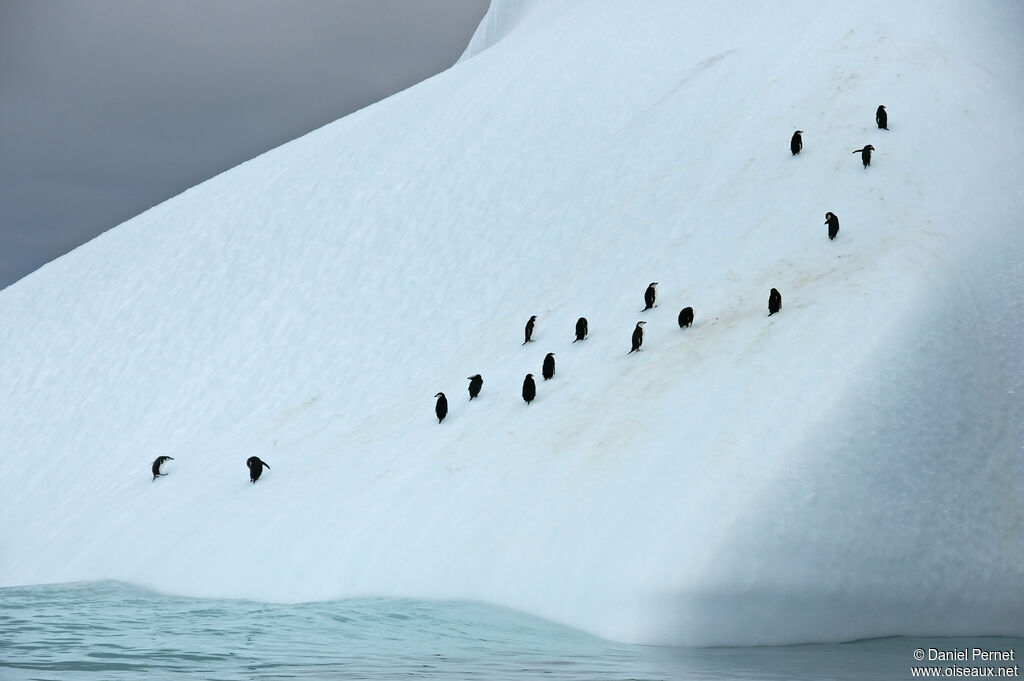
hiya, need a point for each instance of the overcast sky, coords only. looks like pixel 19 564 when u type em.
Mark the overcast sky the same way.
pixel 108 107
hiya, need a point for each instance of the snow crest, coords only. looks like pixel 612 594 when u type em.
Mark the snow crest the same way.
pixel 849 467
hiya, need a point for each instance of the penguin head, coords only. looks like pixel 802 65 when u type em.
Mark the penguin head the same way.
pixel 869 148
pixel 529 376
pixel 550 354
pixel 881 106
pixel 653 284
pixel 439 395
pixel 473 377
pixel 533 318
pixel 799 132
pixel 640 323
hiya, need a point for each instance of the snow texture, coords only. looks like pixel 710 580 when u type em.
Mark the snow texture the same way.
pixel 849 467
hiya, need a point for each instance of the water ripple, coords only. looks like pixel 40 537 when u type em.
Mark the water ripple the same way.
pixel 107 630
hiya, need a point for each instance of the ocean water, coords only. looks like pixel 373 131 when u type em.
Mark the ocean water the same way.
pixel 107 630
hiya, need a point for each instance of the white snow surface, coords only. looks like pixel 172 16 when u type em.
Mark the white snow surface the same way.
pixel 850 467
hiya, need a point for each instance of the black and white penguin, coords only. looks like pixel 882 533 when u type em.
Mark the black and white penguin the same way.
pixel 649 295
pixel 529 388
pixel 476 381
pixel 548 370
pixel 833 225
pixel 797 143
pixel 882 118
pixel 685 317
pixel 638 337
pixel 159 461
pixel 865 154
pixel 441 408
pixel 581 329
pixel 529 329
pixel 774 302
pixel 255 467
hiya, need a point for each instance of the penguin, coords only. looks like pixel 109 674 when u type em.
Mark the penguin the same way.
pixel 685 317
pixel 548 370
pixel 529 388
pixel 159 461
pixel 797 143
pixel 255 467
pixel 649 295
pixel 529 329
pixel 581 329
pixel 833 225
pixel 638 337
pixel 882 118
pixel 774 302
pixel 865 154
pixel 476 382
pixel 441 408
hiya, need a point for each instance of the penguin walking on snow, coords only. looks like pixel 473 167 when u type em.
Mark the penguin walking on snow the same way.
pixel 255 467
pixel 649 295
pixel 797 143
pixel 529 329
pixel 833 225
pixel 865 154
pixel 159 461
pixel 581 329
pixel 685 317
pixel 441 408
pixel 548 370
pixel 476 382
pixel 529 388
pixel 638 337
pixel 882 118
pixel 774 302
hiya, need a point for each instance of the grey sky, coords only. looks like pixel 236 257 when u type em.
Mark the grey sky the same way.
pixel 108 107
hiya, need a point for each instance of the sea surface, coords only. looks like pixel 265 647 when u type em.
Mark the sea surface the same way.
pixel 107 630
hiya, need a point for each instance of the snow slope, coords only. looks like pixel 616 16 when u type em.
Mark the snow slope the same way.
pixel 850 467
